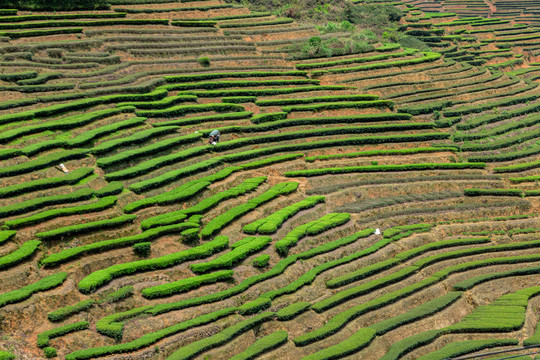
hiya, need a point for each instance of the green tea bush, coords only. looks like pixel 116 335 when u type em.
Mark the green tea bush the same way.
pixel 271 224
pixel 278 269
pixel 60 5
pixel 91 135
pixel 24 293
pixel 384 168
pixel 255 306
pixel 354 60
pixel 6 235
pixel 267 343
pixel 197 347
pixel 49 352
pixel 62 124
pixel 119 295
pixel 312 228
pixel 112 188
pixel 26 250
pixel 65 312
pixel 291 311
pixel 467 347
pixel 71 178
pixel 142 249
pixel 86 227
pixel 341 105
pixel 493 192
pixel 99 205
pixel 310 100
pixel 261 260
pixel 39 203
pixel 149 338
pixel 187 284
pixel 42 162
pixel 354 343
pixel 101 277
pixel 151 234
pixel 417 313
pixel 228 260
pixel 224 219
pixel 44 337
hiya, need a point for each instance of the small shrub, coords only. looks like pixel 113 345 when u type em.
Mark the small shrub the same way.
pixel 49 352
pixel 261 261
pixel 142 249
pixel 204 61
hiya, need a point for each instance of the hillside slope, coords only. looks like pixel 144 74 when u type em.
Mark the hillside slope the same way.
pixel 375 205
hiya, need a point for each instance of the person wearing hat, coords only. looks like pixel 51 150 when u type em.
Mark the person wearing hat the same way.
pixel 214 137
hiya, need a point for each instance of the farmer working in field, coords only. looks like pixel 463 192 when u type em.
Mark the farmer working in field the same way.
pixel 214 137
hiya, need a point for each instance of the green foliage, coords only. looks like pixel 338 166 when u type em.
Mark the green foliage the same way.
pixel 42 162
pixel 359 60
pixel 44 337
pixel 262 345
pixel 6 355
pixel 341 319
pixel 466 347
pixel 63 124
pixel 39 203
pixel 255 306
pixel 99 205
pixel 65 312
pixel 219 222
pixel 204 205
pixel 473 281
pixel 426 57
pixel 112 188
pixel 354 343
pixel 112 325
pixel 341 105
pixel 493 192
pixel 6 235
pixel 101 277
pixel 469 109
pixel 268 117
pixel 419 312
pixel 261 260
pixel 86 227
pixel 145 151
pixel 312 228
pixel 187 284
pixel 26 250
pixel 148 338
pixel 142 249
pixel 56 5
pixel 278 269
pixel 310 100
pixel 24 293
pixel 181 193
pixel 291 311
pixel 419 150
pixel 71 178
pixel 228 260
pixel 272 223
pixel 49 352
pixel 91 135
pixel 119 295
pixel 398 349
pixel 384 168
pixel 197 347
pixel 100 246
pixel 535 338
pixel 204 61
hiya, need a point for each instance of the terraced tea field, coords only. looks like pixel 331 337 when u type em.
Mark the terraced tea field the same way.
pixel 380 205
